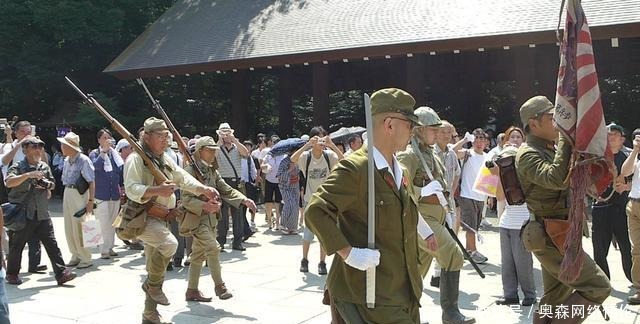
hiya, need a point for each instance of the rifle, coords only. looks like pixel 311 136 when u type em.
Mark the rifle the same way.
pixel 185 151
pixel 416 147
pixel 115 124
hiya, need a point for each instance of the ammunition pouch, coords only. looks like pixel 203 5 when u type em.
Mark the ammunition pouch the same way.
pixel 131 220
pixel 533 236
pixel 188 222
pixel 557 229
pixel 509 179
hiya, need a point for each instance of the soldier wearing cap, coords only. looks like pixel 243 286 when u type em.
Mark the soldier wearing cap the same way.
pixel 337 213
pixel 542 170
pixel 202 218
pixel 434 212
pixel 140 187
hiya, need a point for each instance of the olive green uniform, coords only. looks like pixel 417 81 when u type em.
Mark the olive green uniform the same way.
pixel 448 254
pixel 542 172
pixel 203 229
pixel 337 213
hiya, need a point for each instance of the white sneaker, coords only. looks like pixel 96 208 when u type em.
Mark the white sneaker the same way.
pixel 478 257
pixel 485 223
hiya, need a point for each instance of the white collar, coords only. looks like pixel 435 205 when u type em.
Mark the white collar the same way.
pixel 381 163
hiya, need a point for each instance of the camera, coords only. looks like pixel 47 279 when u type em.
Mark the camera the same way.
pixel 489 164
pixel 43 183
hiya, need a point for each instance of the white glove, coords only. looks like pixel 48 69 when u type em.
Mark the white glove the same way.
pixel 434 188
pixel 363 259
pixel 449 220
pixel 469 137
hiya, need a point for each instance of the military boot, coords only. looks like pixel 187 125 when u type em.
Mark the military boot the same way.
pixel 196 295
pixel 222 292
pixel 449 292
pixel 153 318
pixel 575 299
pixel 155 293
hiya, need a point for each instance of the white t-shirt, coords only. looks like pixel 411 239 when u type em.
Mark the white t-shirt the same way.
pixel 318 170
pixel 260 155
pixel 274 164
pixel 635 181
pixel 514 216
pixel 470 171
pixel 19 156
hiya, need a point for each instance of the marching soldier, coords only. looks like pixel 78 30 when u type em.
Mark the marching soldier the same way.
pixel 160 244
pixel 204 218
pixel 337 213
pixel 448 253
pixel 542 170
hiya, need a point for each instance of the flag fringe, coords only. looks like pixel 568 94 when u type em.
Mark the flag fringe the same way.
pixel 574 255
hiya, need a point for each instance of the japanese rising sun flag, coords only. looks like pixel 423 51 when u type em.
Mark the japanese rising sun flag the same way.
pixel 579 116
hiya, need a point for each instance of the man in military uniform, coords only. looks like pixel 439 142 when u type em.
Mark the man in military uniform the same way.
pixel 203 218
pixel 140 187
pixel 337 213
pixel 542 170
pixel 432 210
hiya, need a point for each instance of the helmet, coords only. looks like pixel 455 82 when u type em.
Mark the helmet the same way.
pixel 427 116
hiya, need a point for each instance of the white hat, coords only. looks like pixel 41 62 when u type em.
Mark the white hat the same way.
pixel 72 140
pixel 224 128
pixel 122 144
pixel 304 137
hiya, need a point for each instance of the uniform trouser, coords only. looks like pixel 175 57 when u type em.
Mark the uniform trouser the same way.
pixel 72 202
pixel 517 265
pixel 204 247
pixel 592 284
pixel 607 222
pixel 42 231
pixel 106 212
pixel 236 215
pixel 633 218
pixel 182 241
pixel 381 314
pixel 448 254
pixel 159 247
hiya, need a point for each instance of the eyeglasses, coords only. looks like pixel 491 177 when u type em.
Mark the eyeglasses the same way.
pixel 403 119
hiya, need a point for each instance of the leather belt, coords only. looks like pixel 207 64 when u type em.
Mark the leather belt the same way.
pixel 433 199
pixel 72 186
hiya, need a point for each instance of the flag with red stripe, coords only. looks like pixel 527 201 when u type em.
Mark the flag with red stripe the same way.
pixel 580 117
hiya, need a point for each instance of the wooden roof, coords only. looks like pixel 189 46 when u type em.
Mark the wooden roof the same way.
pixel 203 36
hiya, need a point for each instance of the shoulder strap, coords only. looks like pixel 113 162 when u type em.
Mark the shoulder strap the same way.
pixel 224 151
pixel 326 158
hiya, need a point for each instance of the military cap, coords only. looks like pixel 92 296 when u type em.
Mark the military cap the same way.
pixel 32 140
pixel 392 100
pixel 428 116
pixel 533 107
pixel 153 124
pixel 206 141
pixel 616 127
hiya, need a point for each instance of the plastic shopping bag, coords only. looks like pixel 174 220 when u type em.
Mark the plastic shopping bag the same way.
pixel 91 232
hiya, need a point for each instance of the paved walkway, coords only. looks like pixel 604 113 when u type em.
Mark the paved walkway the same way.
pixel 266 284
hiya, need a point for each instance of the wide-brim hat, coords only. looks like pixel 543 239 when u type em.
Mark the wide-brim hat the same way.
pixel 224 128
pixel 72 140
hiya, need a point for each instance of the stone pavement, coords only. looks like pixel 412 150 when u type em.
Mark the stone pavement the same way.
pixel 266 284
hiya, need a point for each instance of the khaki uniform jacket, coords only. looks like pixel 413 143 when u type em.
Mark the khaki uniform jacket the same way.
pixel 137 178
pixel 417 174
pixel 337 213
pixel 213 179
pixel 542 172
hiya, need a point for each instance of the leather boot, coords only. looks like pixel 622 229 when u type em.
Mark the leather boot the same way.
pixel 196 295
pixel 449 292
pixel 153 318
pixel 155 293
pixel 222 292
pixel 574 299
pixel 634 299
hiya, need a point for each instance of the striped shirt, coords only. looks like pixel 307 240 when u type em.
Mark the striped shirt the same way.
pixel 514 216
pixel 224 167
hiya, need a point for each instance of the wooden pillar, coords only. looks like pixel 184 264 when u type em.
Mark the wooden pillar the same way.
pixel 285 105
pixel 416 78
pixel 524 63
pixel 239 95
pixel 320 93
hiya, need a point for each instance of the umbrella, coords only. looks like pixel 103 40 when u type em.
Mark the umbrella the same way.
pixel 344 133
pixel 287 145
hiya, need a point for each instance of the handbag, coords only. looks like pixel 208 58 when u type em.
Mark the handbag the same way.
pixel 15 214
pixel 81 185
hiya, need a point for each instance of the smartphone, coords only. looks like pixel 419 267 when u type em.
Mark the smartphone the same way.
pixel 33 130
